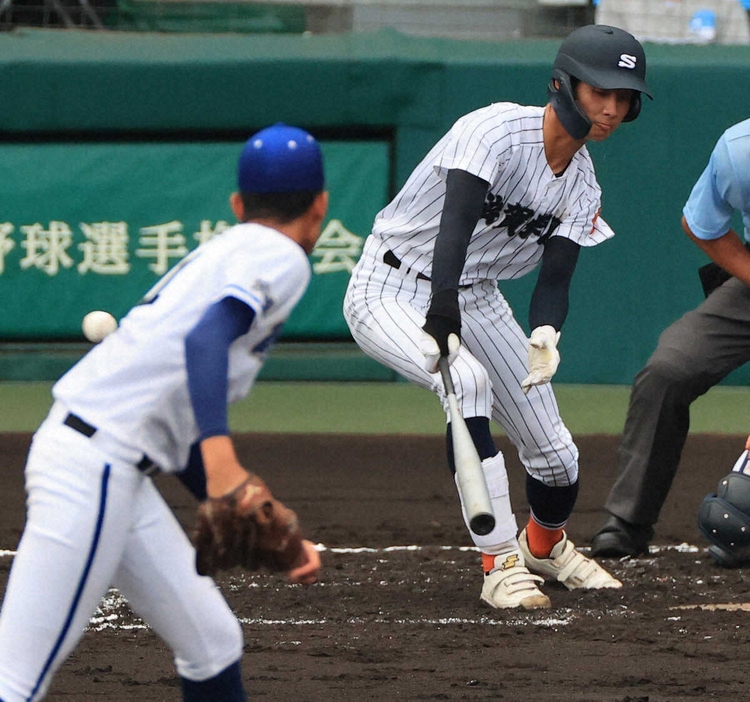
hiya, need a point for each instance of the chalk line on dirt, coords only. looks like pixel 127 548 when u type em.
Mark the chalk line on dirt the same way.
pixel 680 548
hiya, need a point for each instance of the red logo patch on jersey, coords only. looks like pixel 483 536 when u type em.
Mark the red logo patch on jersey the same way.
pixel 593 221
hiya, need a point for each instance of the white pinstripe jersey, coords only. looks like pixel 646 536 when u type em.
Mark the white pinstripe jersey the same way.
pixel 525 203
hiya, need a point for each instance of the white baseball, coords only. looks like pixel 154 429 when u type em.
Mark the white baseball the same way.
pixel 98 324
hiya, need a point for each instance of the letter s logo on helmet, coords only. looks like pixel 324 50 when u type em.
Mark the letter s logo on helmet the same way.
pixel 627 61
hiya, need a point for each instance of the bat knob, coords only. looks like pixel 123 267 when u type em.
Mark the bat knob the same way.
pixel 482 524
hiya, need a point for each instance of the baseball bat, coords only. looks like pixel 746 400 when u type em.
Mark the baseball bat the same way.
pixel 476 497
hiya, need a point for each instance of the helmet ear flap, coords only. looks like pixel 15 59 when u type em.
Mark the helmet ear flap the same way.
pixel 635 107
pixel 563 101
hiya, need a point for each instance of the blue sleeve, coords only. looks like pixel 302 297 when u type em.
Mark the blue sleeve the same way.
pixel 207 362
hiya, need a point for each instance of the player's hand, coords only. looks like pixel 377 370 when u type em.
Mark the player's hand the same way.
pixel 308 572
pixel 544 358
pixel 429 347
pixel 442 329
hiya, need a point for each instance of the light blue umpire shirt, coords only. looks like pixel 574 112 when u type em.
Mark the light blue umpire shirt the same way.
pixel 723 187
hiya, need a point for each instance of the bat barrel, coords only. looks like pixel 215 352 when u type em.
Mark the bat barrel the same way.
pixel 469 474
pixel 476 498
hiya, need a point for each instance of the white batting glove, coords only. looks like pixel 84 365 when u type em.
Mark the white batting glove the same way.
pixel 544 358
pixel 431 351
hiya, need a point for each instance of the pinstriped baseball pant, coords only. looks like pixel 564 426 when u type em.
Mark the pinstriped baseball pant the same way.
pixel 385 309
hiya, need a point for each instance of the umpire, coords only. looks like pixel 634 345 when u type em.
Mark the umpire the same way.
pixel 693 354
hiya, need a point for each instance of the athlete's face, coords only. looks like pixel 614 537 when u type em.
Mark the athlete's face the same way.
pixel 605 108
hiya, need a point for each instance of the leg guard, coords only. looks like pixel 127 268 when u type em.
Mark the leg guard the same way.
pixel 503 536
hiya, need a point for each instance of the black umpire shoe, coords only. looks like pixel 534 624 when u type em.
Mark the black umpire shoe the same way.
pixel 618 538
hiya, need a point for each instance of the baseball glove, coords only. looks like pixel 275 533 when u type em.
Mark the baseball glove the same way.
pixel 249 528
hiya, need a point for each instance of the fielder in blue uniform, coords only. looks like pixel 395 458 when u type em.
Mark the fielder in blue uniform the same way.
pixel 693 354
pixel 152 396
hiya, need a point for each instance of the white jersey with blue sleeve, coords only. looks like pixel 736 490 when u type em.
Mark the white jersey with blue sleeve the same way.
pixel 133 384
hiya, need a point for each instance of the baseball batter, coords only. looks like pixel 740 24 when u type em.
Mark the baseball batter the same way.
pixel 153 396
pixel 508 189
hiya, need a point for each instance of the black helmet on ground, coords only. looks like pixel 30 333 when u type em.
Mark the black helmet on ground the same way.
pixel 724 519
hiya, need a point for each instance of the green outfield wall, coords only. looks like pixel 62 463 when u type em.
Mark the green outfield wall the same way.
pixel 128 140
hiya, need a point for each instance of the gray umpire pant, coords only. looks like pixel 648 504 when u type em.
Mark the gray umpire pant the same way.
pixel 693 354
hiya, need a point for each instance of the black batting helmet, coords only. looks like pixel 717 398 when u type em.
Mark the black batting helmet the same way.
pixel 602 56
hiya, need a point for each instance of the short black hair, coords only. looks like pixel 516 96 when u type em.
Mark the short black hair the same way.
pixel 283 207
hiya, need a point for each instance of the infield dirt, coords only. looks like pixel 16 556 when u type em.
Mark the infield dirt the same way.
pixel 397 613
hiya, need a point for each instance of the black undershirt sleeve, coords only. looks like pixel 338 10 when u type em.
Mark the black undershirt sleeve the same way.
pixel 549 301
pixel 464 200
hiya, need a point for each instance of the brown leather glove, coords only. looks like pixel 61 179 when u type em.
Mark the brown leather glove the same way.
pixel 247 528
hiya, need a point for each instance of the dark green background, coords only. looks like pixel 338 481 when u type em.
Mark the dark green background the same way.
pixel 147 184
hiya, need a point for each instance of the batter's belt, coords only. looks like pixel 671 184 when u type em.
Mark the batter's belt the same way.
pixel 390 259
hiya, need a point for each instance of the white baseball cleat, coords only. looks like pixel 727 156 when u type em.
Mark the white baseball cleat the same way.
pixel 510 584
pixel 568 566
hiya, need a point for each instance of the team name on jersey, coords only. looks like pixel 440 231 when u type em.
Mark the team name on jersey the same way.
pixel 519 220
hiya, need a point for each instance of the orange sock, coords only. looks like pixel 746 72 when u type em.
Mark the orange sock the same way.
pixel 541 540
pixel 488 562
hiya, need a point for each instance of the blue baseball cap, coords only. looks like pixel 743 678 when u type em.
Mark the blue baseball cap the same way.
pixel 280 159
